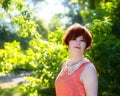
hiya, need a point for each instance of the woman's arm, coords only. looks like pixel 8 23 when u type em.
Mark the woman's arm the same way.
pixel 90 81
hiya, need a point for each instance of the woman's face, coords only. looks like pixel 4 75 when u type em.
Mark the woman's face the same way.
pixel 77 46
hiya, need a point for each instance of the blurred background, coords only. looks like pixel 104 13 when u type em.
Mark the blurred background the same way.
pixel 32 51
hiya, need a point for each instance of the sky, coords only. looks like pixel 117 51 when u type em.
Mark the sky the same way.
pixel 48 9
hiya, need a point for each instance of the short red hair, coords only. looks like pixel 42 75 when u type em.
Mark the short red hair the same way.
pixel 75 31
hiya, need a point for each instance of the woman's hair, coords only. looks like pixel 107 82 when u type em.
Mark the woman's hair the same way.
pixel 75 31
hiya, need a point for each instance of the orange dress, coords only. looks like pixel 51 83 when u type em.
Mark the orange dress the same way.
pixel 70 85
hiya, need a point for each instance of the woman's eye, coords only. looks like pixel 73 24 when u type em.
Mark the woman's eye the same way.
pixel 82 40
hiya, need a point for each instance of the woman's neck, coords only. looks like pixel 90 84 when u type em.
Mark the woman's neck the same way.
pixel 75 59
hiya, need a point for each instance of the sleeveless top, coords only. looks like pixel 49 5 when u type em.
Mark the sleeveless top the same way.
pixel 70 84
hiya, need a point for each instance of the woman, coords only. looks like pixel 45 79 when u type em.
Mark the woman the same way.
pixel 78 76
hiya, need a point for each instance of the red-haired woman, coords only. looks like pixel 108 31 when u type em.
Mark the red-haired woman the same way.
pixel 78 75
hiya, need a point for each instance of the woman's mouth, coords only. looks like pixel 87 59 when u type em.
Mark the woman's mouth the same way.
pixel 77 47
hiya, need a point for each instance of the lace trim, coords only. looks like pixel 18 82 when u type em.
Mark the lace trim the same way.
pixel 74 67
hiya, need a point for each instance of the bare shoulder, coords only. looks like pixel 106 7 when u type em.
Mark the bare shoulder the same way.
pixel 90 68
pixel 89 73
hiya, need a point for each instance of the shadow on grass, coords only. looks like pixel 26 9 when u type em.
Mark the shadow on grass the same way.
pixel 47 92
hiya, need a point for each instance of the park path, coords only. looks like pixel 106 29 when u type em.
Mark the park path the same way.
pixel 10 80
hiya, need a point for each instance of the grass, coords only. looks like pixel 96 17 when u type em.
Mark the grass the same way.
pixel 11 91
pixel 21 90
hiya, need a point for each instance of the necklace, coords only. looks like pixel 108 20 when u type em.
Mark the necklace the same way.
pixel 75 66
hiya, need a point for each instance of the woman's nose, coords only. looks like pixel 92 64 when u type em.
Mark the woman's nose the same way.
pixel 78 42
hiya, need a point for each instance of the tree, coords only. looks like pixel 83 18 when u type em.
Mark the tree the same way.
pixel 55 23
pixel 41 28
pixel 101 20
pixel 73 12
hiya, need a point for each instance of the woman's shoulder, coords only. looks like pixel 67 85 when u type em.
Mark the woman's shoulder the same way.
pixel 90 69
pixel 89 66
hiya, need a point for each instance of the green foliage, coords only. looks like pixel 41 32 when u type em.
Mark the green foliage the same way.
pixel 44 57
pixel 49 57
pixel 12 57
pixel 26 28
pixel 56 37
pixel 17 23
pixel 55 23
pixel 5 3
pixel 106 60
pixel 22 21
pixel 11 51
pixel 73 11
pixel 106 45
pixel 25 49
pixel 41 28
